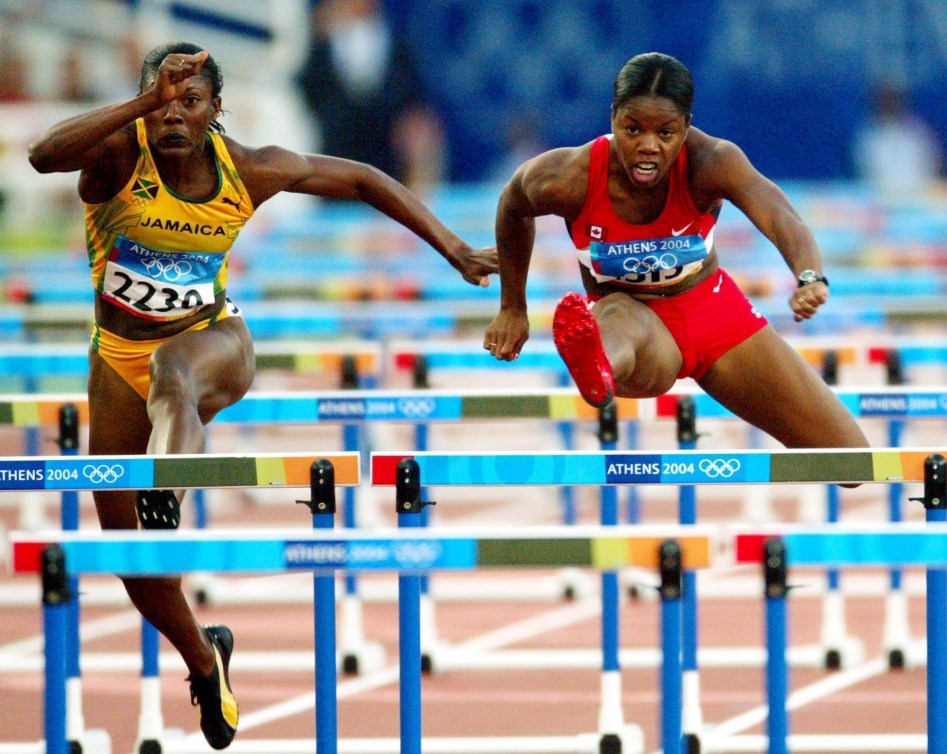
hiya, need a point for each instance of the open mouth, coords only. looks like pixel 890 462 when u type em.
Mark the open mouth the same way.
pixel 646 168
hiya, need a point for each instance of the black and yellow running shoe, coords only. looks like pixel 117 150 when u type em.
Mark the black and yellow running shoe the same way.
pixel 218 708
pixel 158 509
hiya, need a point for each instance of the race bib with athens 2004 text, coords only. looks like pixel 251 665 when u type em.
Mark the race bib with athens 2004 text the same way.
pixel 654 261
pixel 159 284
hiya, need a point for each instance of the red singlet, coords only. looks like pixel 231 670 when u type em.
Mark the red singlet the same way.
pixel 705 321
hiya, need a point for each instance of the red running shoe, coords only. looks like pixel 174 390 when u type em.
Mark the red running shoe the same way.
pixel 577 339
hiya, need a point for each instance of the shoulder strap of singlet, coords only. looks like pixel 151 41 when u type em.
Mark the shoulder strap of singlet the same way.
pixel 598 168
pixel 680 183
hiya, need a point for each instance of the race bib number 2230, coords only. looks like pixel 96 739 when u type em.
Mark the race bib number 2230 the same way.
pixel 158 284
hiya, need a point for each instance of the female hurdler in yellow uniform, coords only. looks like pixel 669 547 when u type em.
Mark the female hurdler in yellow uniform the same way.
pixel 165 195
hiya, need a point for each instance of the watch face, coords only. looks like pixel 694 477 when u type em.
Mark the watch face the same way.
pixel 809 276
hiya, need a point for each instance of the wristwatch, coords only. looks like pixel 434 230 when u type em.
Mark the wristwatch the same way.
pixel 811 276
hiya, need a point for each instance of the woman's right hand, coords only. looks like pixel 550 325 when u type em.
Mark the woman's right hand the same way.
pixel 173 74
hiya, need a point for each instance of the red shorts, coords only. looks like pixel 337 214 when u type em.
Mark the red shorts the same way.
pixel 707 321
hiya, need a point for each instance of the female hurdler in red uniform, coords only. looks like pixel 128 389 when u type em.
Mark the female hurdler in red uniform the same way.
pixel 641 205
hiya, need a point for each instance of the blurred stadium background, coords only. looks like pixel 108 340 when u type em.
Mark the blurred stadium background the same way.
pixel 788 80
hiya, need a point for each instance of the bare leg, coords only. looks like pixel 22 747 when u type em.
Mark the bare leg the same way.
pixel 764 381
pixel 644 356
pixel 194 375
pixel 119 426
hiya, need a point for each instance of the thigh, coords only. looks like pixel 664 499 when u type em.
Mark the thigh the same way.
pixel 764 381
pixel 118 425
pixel 632 334
pixel 216 364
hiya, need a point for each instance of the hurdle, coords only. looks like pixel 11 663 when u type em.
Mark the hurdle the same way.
pixel 354 408
pixel 73 473
pixel 37 360
pixel 685 467
pixel 409 553
pixel 891 549
pixel 350 359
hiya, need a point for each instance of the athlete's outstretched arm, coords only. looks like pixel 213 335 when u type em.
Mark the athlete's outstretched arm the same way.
pixel 269 170
pixel 770 210
pixel 549 184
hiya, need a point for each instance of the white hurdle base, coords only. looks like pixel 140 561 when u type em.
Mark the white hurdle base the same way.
pixel 586 743
pixel 450 657
pixel 92 741
pixel 816 742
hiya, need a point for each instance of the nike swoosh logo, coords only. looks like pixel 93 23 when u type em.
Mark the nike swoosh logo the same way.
pixel 679 232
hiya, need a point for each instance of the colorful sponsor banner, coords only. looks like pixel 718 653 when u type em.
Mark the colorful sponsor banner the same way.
pixel 419 406
pixel 76 473
pixel 152 554
pixel 180 471
pixel 847 548
pixel 381 554
pixel 896 403
pixel 901 404
pixel 684 467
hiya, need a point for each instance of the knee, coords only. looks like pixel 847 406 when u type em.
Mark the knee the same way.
pixel 168 380
pixel 640 383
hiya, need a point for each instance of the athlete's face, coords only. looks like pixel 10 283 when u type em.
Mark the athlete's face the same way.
pixel 179 128
pixel 648 132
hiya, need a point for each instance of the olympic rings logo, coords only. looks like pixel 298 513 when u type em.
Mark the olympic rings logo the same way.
pixel 103 474
pixel 416 407
pixel 651 263
pixel 416 554
pixel 719 467
pixel 170 269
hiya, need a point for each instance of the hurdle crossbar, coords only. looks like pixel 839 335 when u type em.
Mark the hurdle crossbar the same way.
pixel 687 467
pixel 910 544
pixel 75 473
pixel 556 404
pixel 155 553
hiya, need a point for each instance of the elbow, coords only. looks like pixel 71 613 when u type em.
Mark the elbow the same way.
pixel 369 182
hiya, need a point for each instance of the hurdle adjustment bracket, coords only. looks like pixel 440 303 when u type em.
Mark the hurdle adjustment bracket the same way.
pixel 935 483
pixel 55 582
pixel 408 487
pixel 671 570
pixel 774 568
pixel 608 423
pixel 686 418
pixel 68 427
pixel 321 487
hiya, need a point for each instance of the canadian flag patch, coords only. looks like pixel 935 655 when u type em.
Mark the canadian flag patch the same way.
pixel 596 232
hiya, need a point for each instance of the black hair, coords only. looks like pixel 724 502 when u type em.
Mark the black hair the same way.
pixel 656 74
pixel 210 71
